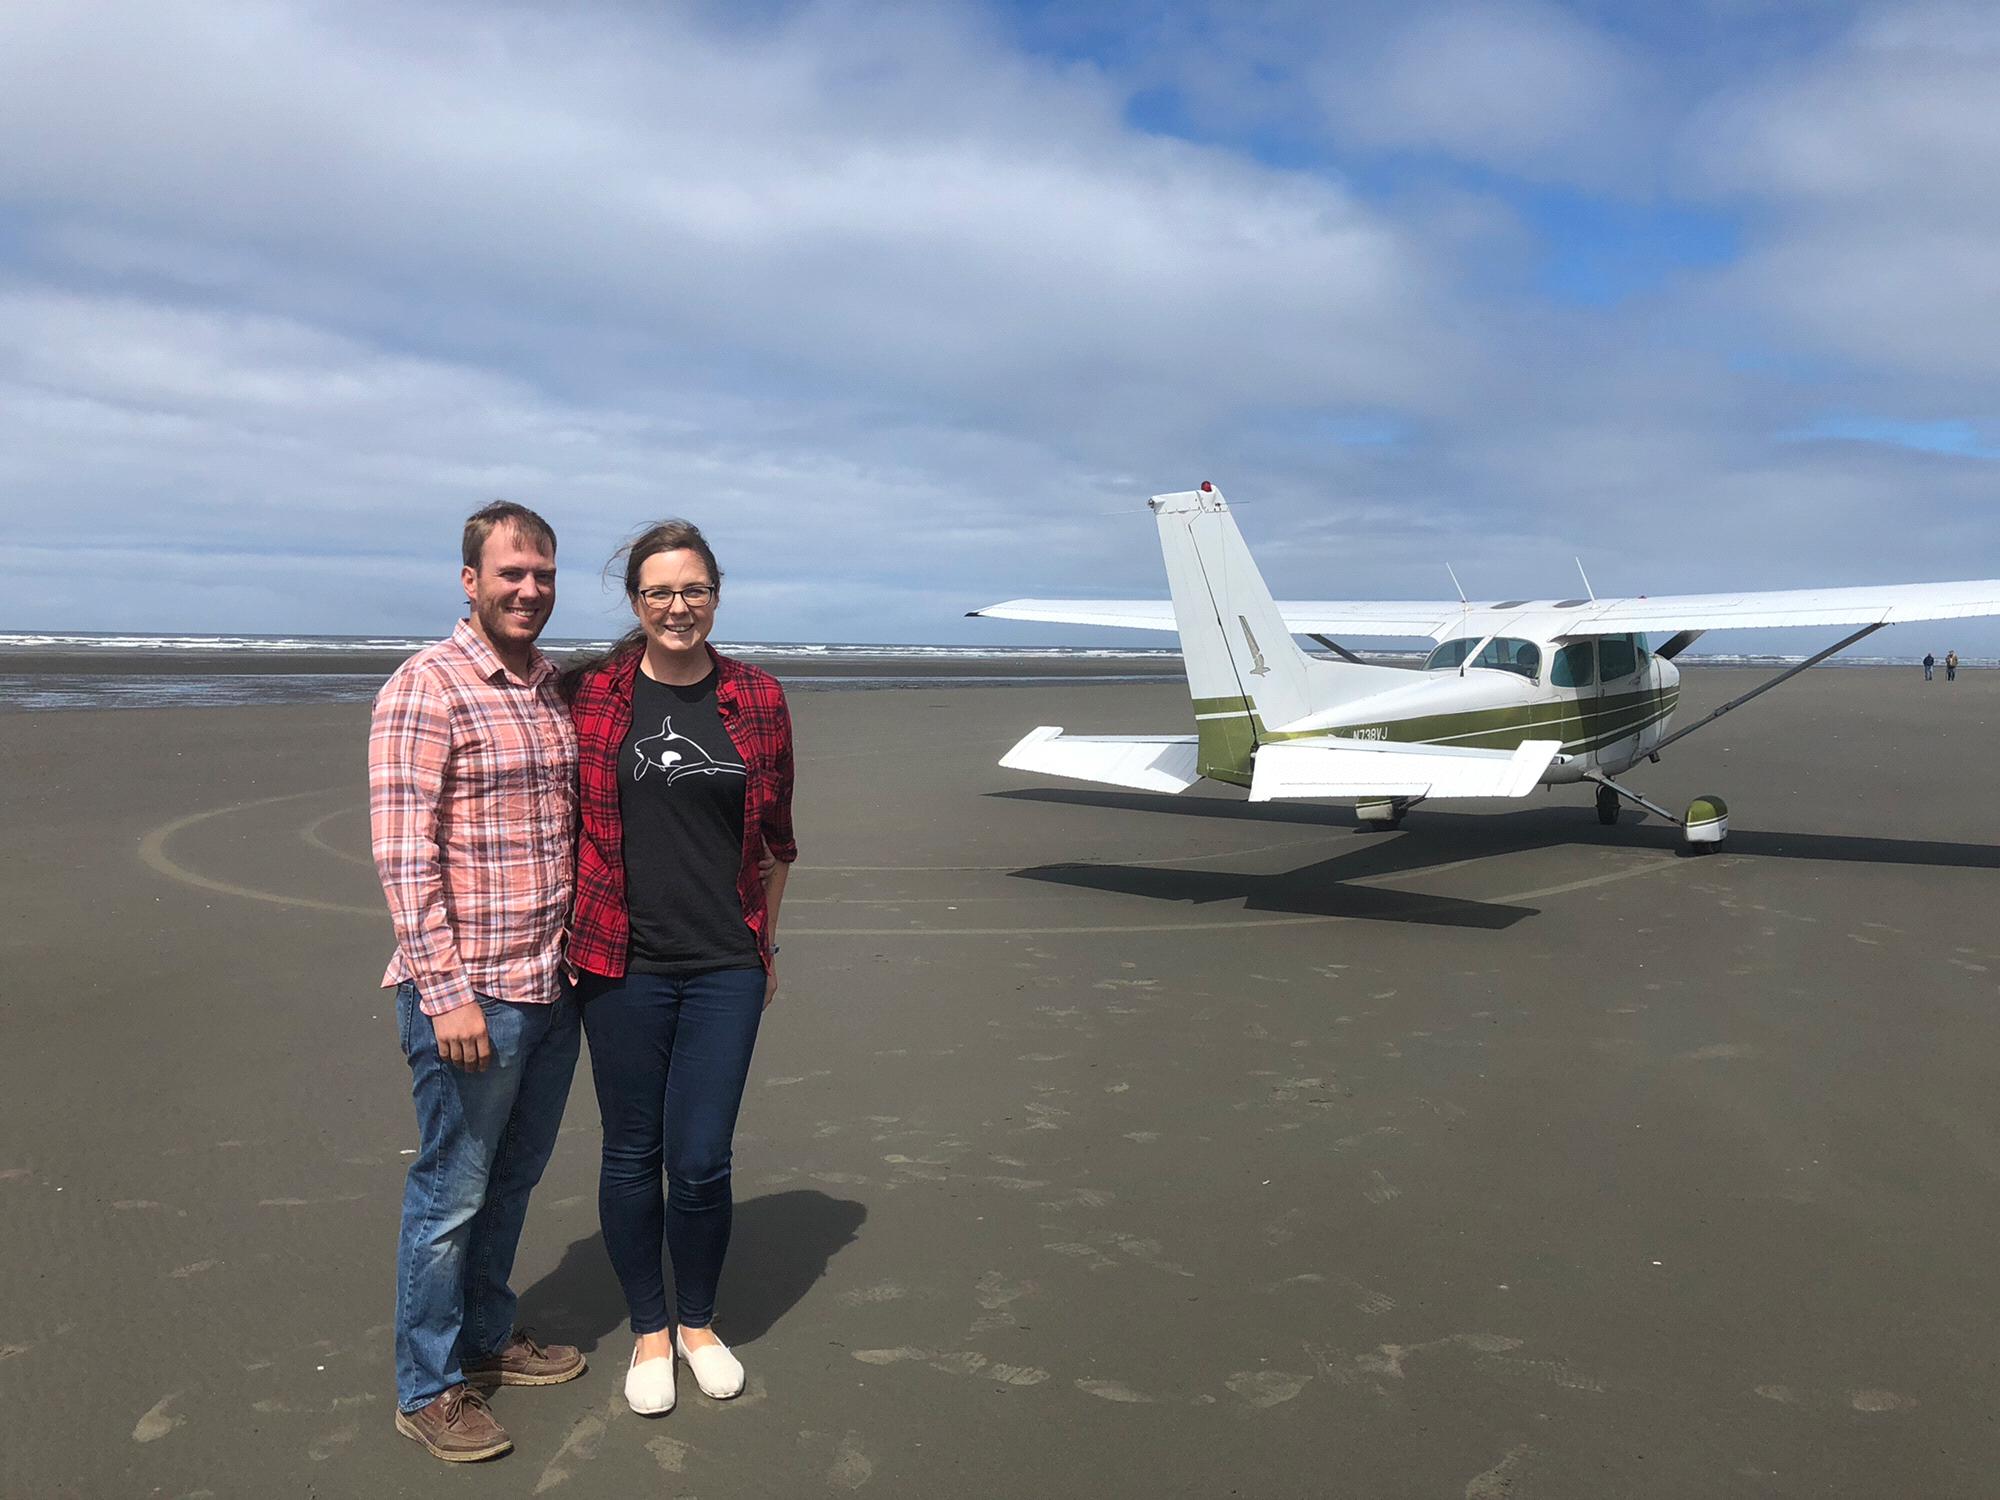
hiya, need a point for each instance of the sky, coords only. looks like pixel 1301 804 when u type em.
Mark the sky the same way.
pixel 911 306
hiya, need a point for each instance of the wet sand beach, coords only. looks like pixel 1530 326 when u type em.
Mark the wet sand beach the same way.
pixel 1099 1143
pixel 792 663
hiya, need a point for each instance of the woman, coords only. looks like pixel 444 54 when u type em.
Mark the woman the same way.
pixel 684 765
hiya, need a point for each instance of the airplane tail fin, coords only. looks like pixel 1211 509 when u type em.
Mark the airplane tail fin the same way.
pixel 1245 672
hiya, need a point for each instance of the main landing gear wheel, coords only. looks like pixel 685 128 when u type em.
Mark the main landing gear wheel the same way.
pixel 1385 815
pixel 1607 806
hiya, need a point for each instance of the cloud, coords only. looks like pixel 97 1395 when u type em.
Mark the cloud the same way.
pixel 1866 163
pixel 911 306
pixel 835 200
pixel 1522 86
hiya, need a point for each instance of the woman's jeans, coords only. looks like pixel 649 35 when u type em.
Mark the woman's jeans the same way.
pixel 670 1055
pixel 482 1142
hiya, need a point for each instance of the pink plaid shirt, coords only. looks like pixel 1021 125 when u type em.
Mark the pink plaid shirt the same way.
pixel 472 804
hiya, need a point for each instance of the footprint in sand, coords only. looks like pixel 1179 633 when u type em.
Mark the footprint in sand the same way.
pixel 327 1444
pixel 1880 1401
pixel 954 1362
pixel 1266 1388
pixel 671 1454
pixel 1112 1390
pixel 1497 1482
pixel 156 1424
pixel 851 1467
pixel 995 1290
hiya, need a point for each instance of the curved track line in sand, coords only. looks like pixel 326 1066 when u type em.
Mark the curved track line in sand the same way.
pixel 1666 864
pixel 153 854
pixel 310 833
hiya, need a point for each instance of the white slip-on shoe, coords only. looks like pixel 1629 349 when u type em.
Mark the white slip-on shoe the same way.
pixel 649 1384
pixel 718 1372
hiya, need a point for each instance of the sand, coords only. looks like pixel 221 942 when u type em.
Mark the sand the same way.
pixel 74 662
pixel 1100 1144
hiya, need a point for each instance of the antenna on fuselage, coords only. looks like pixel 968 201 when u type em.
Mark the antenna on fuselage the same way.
pixel 1463 603
pixel 1586 581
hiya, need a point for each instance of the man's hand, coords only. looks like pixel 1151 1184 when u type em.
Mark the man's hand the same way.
pixel 461 1037
pixel 770 984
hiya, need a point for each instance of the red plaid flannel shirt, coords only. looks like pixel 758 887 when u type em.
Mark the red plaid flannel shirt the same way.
pixel 753 711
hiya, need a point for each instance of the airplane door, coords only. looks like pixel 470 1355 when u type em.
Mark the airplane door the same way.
pixel 1620 702
pixel 1573 675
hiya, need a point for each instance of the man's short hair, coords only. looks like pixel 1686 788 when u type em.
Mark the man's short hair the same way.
pixel 531 528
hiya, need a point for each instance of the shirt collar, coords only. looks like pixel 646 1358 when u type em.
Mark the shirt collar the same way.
pixel 622 680
pixel 486 662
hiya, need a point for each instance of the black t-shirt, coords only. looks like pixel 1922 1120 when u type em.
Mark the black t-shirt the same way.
pixel 680 795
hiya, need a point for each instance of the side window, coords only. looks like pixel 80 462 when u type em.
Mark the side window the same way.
pixel 1576 666
pixel 1449 655
pixel 1615 657
pixel 1505 654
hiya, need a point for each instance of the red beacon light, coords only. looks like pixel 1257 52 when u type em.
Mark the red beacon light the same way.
pixel 1207 488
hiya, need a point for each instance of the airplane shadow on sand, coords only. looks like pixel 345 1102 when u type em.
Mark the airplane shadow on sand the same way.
pixel 780 1244
pixel 1324 887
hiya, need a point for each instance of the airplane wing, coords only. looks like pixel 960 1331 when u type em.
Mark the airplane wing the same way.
pixel 1551 619
pixel 1882 604
pixel 1305 617
pixel 1145 762
pixel 1338 767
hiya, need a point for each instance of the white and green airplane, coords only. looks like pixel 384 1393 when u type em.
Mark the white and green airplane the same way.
pixel 1518 694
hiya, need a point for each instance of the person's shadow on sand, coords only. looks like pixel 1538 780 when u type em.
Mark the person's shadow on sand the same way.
pixel 779 1246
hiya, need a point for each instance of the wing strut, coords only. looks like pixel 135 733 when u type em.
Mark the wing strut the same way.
pixel 1785 676
pixel 1337 649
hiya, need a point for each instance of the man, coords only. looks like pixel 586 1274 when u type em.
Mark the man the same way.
pixel 472 802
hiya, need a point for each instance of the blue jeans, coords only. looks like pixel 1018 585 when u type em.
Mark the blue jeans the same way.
pixel 482 1142
pixel 670 1056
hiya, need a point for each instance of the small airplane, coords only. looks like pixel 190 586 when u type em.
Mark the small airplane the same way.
pixel 1518 694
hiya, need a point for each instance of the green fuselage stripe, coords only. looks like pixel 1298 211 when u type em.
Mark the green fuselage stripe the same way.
pixel 1230 728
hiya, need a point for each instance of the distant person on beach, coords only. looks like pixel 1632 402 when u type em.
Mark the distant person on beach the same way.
pixel 1929 662
pixel 472 803
pixel 685 776
pixel 1951 666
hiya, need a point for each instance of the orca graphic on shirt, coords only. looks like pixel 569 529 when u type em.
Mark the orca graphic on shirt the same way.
pixel 677 756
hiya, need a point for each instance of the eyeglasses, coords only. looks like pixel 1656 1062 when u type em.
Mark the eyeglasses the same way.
pixel 695 595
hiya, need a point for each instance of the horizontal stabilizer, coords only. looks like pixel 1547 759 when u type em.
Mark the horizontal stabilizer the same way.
pixel 1383 768
pixel 1144 762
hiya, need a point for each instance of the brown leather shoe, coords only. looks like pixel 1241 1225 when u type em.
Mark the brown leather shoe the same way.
pixel 457 1427
pixel 524 1362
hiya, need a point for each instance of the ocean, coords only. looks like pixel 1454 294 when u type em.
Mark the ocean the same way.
pixel 44 671
pixel 48 671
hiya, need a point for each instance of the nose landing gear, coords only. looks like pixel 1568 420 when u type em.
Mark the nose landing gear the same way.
pixel 1705 826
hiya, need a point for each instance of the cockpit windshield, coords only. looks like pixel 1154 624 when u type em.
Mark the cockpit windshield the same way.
pixel 1502 654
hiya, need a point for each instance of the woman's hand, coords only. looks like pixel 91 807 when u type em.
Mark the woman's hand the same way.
pixel 770 984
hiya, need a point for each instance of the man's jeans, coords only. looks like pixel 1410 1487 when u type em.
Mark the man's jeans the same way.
pixel 482 1142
